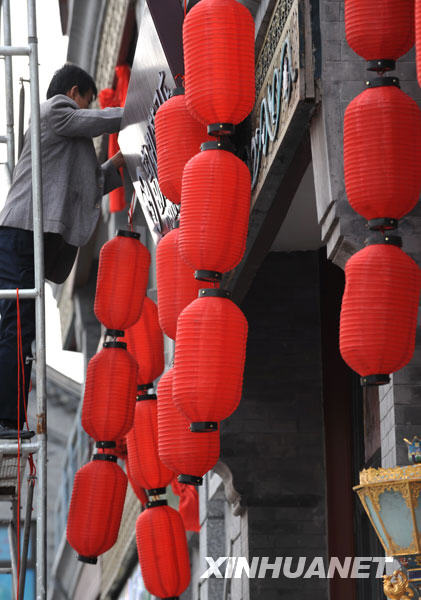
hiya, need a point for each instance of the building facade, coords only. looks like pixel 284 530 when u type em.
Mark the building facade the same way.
pixel 292 451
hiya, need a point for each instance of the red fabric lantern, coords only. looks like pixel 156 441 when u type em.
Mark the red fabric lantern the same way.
pixel 110 393
pixel 215 210
pixel 99 491
pixel 418 38
pixel 139 491
pixel 162 550
pixel 146 344
pixel 209 359
pixel 188 454
pixel 146 468
pixel 176 284
pixel 380 29
pixel 188 506
pixel 178 138
pixel 218 42
pixel 123 273
pixel 382 153
pixel 116 97
pixel 379 311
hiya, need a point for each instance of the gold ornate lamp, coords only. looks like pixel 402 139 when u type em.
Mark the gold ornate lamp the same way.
pixel 391 499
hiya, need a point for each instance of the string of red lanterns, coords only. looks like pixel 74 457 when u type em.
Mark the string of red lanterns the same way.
pixel 382 163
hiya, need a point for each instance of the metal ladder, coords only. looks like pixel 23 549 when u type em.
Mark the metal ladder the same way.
pixel 9 450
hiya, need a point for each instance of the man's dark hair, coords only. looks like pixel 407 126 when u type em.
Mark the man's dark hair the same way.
pixel 69 75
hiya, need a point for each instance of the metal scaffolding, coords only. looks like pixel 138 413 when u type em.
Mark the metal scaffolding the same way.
pixel 7 449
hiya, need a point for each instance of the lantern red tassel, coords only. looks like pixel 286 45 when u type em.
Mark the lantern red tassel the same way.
pixel 122 280
pixel 215 210
pixel 186 453
pixel 380 29
pixel 146 468
pixel 209 359
pixel 218 42
pixel 99 491
pixel 146 344
pixel 379 311
pixel 178 138
pixel 188 506
pixel 162 550
pixel 382 153
pixel 110 393
pixel 176 284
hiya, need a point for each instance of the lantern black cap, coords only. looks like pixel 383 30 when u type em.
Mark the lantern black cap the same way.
pixel 122 345
pixel 190 479
pixel 144 386
pixel 217 129
pixel 114 333
pixel 382 379
pixel 105 444
pixel 156 503
pixel 106 457
pixel 157 491
pixel 211 276
pixel 214 292
pixel 391 240
pixel 90 560
pixel 221 144
pixel 129 234
pixel 141 397
pixel 381 65
pixel 383 224
pixel 203 426
pixel 382 82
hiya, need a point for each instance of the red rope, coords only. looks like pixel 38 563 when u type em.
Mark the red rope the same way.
pixel 131 211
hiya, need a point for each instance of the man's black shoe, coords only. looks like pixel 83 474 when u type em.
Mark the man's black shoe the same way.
pixel 9 432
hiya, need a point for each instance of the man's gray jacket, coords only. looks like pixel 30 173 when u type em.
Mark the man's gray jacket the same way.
pixel 73 182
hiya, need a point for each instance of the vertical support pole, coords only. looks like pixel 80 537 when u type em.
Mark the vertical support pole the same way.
pixel 26 534
pixel 13 545
pixel 9 89
pixel 41 546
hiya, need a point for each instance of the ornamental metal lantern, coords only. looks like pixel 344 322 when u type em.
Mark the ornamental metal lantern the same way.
pixel 392 501
pixel 218 43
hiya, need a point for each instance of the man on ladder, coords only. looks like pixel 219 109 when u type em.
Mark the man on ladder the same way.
pixel 73 184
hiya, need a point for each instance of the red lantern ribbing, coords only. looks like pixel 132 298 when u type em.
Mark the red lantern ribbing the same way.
pixel 380 29
pixel 176 284
pixel 110 393
pixel 215 210
pixel 218 42
pixel 186 453
pixel 123 273
pixel 162 550
pixel 139 491
pixel 382 153
pixel 379 311
pixel 99 491
pixel 146 468
pixel 209 359
pixel 146 344
pixel 178 138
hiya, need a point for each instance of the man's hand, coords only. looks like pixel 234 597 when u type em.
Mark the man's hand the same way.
pixel 118 160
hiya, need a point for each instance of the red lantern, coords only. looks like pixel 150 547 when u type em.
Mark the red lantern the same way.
pixel 99 491
pixel 122 280
pixel 186 453
pixel 215 210
pixel 178 138
pixel 176 284
pixel 162 550
pixel 110 393
pixel 146 468
pixel 146 344
pixel 218 42
pixel 382 153
pixel 380 29
pixel 209 359
pixel 139 491
pixel 379 311
pixel 418 38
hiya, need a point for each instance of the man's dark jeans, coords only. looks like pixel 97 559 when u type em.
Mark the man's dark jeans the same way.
pixel 16 271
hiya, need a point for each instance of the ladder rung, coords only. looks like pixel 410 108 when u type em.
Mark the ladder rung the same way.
pixel 11 294
pixel 11 448
pixel 15 50
pixel 5 570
